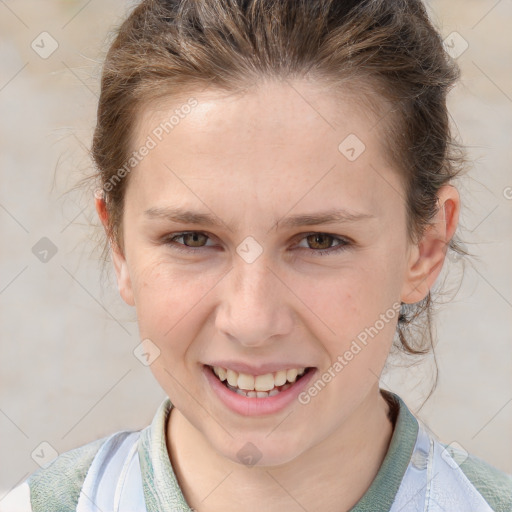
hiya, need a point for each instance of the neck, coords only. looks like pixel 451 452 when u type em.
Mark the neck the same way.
pixel 332 476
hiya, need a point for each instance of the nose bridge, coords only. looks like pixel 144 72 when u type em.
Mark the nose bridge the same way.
pixel 253 309
pixel 252 277
pixel 253 281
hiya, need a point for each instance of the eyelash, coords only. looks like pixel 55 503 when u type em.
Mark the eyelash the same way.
pixel 343 245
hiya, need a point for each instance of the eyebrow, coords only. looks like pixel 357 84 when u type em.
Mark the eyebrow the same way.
pixel 332 216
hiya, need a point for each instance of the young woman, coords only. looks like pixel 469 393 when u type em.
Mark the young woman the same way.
pixel 276 190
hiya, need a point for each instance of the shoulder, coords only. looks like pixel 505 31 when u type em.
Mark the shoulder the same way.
pixel 494 485
pixel 57 486
pixel 441 477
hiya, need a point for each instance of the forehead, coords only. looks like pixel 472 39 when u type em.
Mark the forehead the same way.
pixel 276 139
pixel 270 109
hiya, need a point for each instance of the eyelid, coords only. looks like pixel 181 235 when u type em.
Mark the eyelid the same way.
pixel 344 242
pixel 301 236
pixel 168 239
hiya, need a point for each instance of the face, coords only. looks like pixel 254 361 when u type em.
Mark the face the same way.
pixel 261 289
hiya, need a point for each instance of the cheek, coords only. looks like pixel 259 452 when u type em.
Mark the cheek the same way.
pixel 359 310
pixel 167 300
pixel 357 295
pixel 170 313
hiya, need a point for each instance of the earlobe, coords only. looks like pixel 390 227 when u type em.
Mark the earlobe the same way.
pixel 124 283
pixel 425 264
pixel 101 207
pixel 427 257
pixel 120 265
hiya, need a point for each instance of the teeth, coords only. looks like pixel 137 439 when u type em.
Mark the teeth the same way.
pixel 232 378
pixel 245 381
pixel 264 382
pixel 291 375
pixel 259 394
pixel 258 383
pixel 280 377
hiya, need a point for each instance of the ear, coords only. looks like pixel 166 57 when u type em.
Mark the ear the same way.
pixel 427 257
pixel 124 283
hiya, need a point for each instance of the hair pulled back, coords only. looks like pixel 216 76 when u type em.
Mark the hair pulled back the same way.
pixel 382 49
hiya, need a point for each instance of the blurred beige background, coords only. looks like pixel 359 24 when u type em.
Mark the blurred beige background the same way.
pixel 68 373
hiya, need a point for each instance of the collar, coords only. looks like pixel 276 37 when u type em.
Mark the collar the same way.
pixel 383 490
pixel 163 493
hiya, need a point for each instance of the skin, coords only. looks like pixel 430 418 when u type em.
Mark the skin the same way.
pixel 252 159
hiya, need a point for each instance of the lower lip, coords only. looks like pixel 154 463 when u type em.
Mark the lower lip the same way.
pixel 257 406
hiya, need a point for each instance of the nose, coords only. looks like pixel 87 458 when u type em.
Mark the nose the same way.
pixel 255 306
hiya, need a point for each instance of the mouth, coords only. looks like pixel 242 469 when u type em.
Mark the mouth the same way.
pixel 258 386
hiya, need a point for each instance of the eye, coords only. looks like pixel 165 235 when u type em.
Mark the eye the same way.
pixel 189 237
pixel 325 239
pixel 196 240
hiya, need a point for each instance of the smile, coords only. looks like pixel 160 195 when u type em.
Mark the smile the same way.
pixel 258 386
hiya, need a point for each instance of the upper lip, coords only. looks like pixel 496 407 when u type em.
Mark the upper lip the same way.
pixel 251 369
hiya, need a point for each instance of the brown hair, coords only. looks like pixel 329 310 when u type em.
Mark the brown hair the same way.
pixel 382 49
